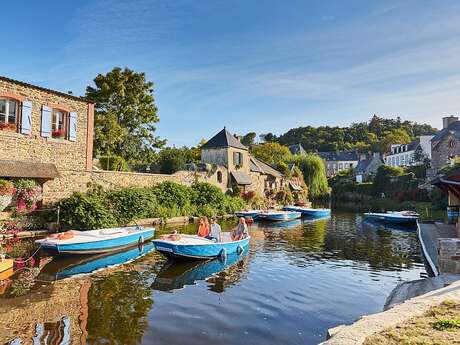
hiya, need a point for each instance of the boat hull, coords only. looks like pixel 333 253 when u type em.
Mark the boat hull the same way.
pixel 200 251
pixel 99 246
pixel 310 212
pixel 391 219
pixel 247 214
pixel 280 216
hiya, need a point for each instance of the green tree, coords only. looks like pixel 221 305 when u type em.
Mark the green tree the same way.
pixel 314 174
pixel 172 159
pixel 395 136
pixel 125 115
pixel 383 177
pixel 248 139
pixel 271 153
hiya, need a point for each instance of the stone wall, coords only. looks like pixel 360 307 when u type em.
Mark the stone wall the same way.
pixel 449 255
pixel 443 149
pixel 64 154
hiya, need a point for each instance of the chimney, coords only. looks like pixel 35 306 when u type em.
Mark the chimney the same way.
pixel 448 120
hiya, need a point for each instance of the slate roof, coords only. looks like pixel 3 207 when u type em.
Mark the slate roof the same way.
pixel 297 149
pixel 339 156
pixel 263 168
pixel 412 146
pixel 241 177
pixel 27 169
pixel 453 127
pixel 363 164
pixel 59 93
pixel 224 139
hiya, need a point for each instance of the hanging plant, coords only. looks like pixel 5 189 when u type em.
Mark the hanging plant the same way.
pixel 28 194
pixel 6 194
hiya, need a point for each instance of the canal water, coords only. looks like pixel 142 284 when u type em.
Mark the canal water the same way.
pixel 297 280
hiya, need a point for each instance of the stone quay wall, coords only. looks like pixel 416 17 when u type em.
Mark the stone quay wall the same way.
pixel 449 255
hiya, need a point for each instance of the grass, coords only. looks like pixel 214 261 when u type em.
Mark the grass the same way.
pixel 438 326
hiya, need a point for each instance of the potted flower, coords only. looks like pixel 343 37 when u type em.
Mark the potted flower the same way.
pixel 28 194
pixel 58 133
pixel 7 126
pixel 6 193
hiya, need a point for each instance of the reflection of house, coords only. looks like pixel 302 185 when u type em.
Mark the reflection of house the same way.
pixel 403 154
pixel 446 144
pixel 337 161
pixel 235 167
pixel 367 167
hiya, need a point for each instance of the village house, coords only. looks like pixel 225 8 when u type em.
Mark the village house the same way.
pixel 445 145
pixel 336 161
pixel 368 166
pixel 401 155
pixel 235 168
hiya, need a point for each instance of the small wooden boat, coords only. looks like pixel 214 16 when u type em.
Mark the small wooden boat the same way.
pixel 248 214
pixel 195 247
pixel 279 215
pixel 401 217
pixel 310 212
pixel 96 241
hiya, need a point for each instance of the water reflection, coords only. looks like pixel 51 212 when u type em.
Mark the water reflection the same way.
pixel 177 274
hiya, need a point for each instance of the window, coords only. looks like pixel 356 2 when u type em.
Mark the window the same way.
pixel 238 159
pixel 9 109
pixel 59 120
pixel 219 176
pixel 340 166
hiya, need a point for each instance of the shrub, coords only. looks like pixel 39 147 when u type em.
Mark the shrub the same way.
pixel 383 177
pixel 171 194
pixel 207 194
pixel 132 203
pixel 113 163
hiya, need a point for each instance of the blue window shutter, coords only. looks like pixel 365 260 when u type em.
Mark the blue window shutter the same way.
pixel 46 122
pixel 26 119
pixel 73 126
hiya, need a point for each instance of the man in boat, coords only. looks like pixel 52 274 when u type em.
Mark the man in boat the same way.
pixel 216 231
pixel 241 231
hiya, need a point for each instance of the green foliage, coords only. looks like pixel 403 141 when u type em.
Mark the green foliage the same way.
pixel 125 115
pixel 248 139
pixel 383 177
pixel 24 184
pixel 446 324
pixel 113 163
pixel 363 136
pixel 172 159
pixel 6 187
pixel 100 209
pixel 271 153
pixel 394 136
pixel 314 174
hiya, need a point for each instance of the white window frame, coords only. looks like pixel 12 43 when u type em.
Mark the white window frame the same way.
pixel 7 110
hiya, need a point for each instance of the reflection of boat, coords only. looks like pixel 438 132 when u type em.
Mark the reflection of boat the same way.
pixel 279 215
pixel 388 226
pixel 248 214
pixel 175 275
pixel 282 224
pixel 96 241
pixel 403 217
pixel 309 212
pixel 195 247
pixel 61 268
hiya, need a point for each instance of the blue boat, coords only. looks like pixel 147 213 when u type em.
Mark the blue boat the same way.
pixel 95 241
pixel 401 218
pixel 69 266
pixel 195 247
pixel 286 224
pixel 279 215
pixel 177 274
pixel 254 214
pixel 310 212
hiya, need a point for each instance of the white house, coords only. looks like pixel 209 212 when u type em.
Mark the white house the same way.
pixel 403 154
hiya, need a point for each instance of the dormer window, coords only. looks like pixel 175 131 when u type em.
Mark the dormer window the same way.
pixel 9 114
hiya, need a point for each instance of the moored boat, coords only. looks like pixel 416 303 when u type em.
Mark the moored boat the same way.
pixel 195 247
pixel 248 214
pixel 279 215
pixel 95 241
pixel 401 217
pixel 309 212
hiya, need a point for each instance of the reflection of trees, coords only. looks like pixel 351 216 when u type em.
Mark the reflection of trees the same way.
pixel 344 238
pixel 118 306
pixel 229 276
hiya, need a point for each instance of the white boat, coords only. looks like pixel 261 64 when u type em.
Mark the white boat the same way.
pixel 95 241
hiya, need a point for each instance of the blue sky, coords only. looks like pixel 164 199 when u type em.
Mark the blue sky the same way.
pixel 263 66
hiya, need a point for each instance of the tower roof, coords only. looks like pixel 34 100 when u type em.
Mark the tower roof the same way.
pixel 224 139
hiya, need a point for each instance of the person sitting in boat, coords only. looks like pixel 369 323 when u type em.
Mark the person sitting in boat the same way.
pixel 174 236
pixel 63 235
pixel 216 231
pixel 241 231
pixel 203 229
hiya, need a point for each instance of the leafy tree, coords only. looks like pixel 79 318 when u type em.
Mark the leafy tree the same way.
pixel 125 115
pixel 172 159
pixel 271 153
pixel 395 136
pixel 383 177
pixel 268 137
pixel 248 139
pixel 314 174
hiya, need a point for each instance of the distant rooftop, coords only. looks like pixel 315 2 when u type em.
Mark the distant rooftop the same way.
pixel 297 149
pixel 224 139
pixel 339 156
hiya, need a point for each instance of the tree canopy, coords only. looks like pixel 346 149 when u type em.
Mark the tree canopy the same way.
pixel 271 153
pixel 125 116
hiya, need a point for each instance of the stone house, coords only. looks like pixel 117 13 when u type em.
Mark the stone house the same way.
pixel 445 145
pixel 336 161
pixel 234 167
pixel 368 166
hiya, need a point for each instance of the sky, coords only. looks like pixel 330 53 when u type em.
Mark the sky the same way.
pixel 249 65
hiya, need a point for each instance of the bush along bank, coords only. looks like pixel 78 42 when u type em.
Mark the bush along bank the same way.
pixel 99 208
